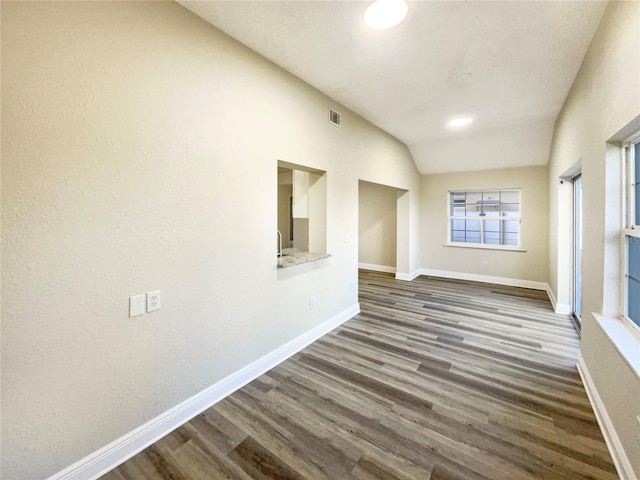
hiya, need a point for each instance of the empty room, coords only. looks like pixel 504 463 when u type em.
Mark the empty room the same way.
pixel 384 239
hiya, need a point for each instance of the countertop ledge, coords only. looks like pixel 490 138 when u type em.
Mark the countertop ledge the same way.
pixel 298 258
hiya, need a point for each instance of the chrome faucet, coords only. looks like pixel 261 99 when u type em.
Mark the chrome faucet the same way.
pixel 280 243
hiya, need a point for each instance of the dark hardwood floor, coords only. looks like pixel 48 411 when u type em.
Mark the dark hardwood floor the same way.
pixel 435 379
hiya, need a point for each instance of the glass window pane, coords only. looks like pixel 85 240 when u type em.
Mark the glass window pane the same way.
pixel 510 226
pixel 473 225
pixel 511 239
pixel 456 200
pixel 492 196
pixel 457 225
pixel 634 256
pixel 636 190
pixel 637 195
pixel 633 285
pixel 489 207
pixel 492 238
pixel 473 237
pixel 457 211
pixel 492 225
pixel 636 149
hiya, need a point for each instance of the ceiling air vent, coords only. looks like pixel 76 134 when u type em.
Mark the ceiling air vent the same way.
pixel 334 117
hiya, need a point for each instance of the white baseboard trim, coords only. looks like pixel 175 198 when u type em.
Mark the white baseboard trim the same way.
pixel 558 307
pixel 619 456
pixel 110 456
pixel 377 268
pixel 514 282
pixel 407 276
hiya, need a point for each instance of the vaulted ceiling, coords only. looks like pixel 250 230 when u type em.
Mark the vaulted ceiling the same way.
pixel 507 64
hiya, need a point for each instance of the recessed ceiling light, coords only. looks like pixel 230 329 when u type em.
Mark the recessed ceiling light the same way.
pixel 460 121
pixel 383 14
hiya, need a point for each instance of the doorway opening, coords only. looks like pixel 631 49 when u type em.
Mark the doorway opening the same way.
pixel 577 252
pixel 377 227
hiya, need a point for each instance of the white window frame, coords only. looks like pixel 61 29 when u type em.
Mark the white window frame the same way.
pixel 629 229
pixel 450 217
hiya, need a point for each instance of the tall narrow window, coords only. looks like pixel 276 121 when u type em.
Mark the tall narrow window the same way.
pixel 577 249
pixel 485 217
pixel 632 234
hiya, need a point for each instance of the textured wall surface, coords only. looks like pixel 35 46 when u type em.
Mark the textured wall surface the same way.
pixel 603 99
pixel 139 152
pixel 529 265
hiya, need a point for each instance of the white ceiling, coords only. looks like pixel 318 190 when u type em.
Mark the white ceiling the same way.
pixel 522 58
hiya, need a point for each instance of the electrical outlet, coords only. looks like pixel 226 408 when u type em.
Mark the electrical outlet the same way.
pixel 153 301
pixel 312 303
pixel 484 264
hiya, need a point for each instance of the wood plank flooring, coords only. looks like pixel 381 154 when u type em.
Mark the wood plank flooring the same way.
pixel 435 379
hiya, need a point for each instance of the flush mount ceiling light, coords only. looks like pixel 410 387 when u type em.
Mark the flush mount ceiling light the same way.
pixel 460 121
pixel 384 14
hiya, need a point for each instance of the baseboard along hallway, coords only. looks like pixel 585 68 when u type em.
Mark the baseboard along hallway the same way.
pixel 434 379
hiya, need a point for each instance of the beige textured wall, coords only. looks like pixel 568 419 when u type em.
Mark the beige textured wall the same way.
pixel 603 99
pixel 377 220
pixel 529 265
pixel 139 152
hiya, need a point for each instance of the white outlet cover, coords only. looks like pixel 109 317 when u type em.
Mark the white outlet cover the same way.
pixel 136 305
pixel 153 301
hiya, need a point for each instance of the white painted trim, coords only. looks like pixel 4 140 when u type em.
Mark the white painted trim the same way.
pixel 485 246
pixel 377 268
pixel 110 456
pixel 619 456
pixel 624 337
pixel 514 282
pixel 558 307
pixel 407 276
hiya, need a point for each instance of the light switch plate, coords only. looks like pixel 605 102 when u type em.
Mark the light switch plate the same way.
pixel 136 305
pixel 153 301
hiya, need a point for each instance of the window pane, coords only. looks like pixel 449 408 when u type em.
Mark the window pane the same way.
pixel 637 195
pixel 636 154
pixel 633 286
pixel 473 225
pixel 473 237
pixel 636 190
pixel 511 239
pixel 457 236
pixel 491 208
pixel 510 226
pixel 492 226
pixel 492 238
pixel 474 200
pixel 491 197
pixel 457 211
pixel 457 225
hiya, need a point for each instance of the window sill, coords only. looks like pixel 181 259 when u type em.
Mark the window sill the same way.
pixel 485 247
pixel 624 337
